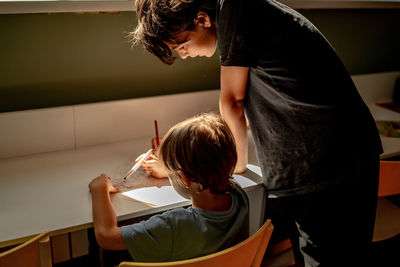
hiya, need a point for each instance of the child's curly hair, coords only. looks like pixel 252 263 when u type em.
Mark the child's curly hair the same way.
pixel 203 148
pixel 162 21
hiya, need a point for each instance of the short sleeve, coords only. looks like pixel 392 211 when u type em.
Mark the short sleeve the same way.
pixel 236 40
pixel 151 239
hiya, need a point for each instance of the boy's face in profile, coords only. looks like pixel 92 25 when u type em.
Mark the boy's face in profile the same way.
pixel 199 42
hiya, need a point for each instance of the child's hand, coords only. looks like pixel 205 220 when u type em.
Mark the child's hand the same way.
pixel 154 144
pixel 153 167
pixel 102 182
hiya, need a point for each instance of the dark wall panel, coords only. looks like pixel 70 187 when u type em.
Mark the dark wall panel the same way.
pixel 63 59
pixel 367 40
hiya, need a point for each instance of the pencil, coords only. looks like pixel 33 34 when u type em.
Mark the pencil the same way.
pixel 157 137
pixel 137 165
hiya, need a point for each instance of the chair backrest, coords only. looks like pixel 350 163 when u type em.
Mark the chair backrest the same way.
pixel 249 252
pixel 387 213
pixel 33 253
pixel 389 178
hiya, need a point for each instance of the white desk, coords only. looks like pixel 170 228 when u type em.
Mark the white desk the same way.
pixel 391 145
pixel 49 191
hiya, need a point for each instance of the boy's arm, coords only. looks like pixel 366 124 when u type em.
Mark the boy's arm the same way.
pixel 233 89
pixel 108 234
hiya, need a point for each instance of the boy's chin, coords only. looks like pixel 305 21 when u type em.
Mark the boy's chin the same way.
pixel 181 190
pixel 185 193
pixel 213 52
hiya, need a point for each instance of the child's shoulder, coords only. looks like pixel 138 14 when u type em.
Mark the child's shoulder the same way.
pixel 180 213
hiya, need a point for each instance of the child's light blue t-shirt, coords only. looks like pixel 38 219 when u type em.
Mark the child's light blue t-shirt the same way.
pixel 187 233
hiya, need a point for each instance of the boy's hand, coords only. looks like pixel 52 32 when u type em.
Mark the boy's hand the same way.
pixel 154 144
pixel 102 183
pixel 153 167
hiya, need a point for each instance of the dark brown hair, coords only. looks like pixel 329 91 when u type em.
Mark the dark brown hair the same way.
pixel 203 148
pixel 162 21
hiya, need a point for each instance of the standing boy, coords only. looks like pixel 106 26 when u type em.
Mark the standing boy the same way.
pixel 316 141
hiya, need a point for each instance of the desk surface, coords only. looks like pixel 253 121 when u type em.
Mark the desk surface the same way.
pixel 391 145
pixel 49 191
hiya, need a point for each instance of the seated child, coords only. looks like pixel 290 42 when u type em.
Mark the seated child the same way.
pixel 199 157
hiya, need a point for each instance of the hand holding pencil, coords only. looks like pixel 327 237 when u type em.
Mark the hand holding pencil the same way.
pixel 138 163
pixel 152 165
pixel 148 161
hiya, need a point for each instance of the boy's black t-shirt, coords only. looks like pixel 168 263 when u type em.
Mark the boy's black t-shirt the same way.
pixel 310 126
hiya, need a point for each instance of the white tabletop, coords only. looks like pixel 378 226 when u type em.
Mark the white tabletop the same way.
pixel 49 191
pixel 391 145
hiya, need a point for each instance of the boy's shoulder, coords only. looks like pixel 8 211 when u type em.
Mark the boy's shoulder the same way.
pixel 188 211
pixel 179 214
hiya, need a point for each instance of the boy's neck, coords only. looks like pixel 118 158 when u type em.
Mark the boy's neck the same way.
pixel 209 201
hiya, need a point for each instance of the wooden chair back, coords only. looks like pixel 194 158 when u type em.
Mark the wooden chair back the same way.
pixel 387 220
pixel 32 253
pixel 248 253
pixel 389 178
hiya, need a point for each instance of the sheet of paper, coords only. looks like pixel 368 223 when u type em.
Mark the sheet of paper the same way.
pixel 155 196
pixel 157 192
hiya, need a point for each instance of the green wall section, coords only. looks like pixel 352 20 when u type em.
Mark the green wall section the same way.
pixel 59 59
pixel 367 40
pixel 64 59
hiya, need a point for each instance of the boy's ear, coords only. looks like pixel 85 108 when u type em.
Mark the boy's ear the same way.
pixel 193 186
pixel 202 19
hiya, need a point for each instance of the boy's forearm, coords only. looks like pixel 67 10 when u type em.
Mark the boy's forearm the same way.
pixel 233 90
pixel 108 234
pixel 233 115
pixel 104 216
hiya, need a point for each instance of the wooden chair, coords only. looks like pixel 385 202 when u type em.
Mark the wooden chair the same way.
pixel 33 253
pixel 387 221
pixel 249 252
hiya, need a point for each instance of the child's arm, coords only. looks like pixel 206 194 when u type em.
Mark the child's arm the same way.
pixel 108 234
pixel 233 89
